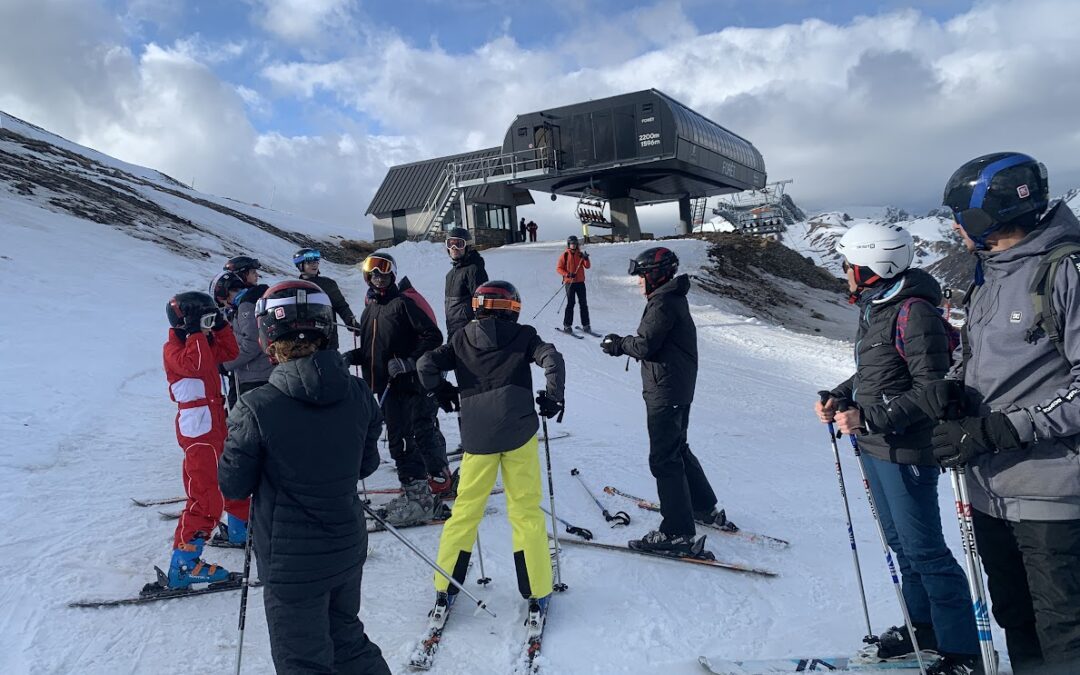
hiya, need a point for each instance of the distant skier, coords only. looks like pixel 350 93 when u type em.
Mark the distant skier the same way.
pixel 299 445
pixel 395 332
pixel 490 358
pixel 199 341
pixel 252 368
pixel 891 372
pixel 307 263
pixel 532 227
pixel 571 267
pixel 466 273
pixel 666 345
pixel 523 229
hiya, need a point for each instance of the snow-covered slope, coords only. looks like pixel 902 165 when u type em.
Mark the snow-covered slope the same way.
pixel 87 423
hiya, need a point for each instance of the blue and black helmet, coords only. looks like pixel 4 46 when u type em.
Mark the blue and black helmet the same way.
pixel 997 190
pixel 305 255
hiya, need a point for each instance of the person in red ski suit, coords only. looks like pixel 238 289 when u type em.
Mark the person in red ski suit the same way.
pixel 192 356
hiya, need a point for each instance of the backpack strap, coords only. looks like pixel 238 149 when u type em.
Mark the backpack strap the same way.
pixel 1046 320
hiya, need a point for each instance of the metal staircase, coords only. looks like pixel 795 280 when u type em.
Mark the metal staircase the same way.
pixel 697 212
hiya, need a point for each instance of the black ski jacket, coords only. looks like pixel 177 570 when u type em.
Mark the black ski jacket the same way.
pixel 300 444
pixel 885 386
pixel 491 358
pixel 337 301
pixel 666 345
pixel 392 325
pixel 464 277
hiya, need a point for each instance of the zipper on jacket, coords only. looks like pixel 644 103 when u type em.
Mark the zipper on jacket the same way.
pixel 374 325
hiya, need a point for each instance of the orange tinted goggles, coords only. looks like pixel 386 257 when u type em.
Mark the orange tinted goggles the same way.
pixel 496 303
pixel 376 264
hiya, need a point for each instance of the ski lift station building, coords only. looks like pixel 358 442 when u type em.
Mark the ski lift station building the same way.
pixel 639 148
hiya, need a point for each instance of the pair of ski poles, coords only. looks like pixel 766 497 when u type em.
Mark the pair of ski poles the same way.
pixel 963 506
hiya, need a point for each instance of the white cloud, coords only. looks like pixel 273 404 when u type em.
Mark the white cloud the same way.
pixel 303 21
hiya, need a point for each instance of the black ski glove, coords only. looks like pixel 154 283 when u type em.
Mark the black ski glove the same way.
pixel 399 366
pixel 959 441
pixel 549 407
pixel 447 396
pixel 353 326
pixel 943 400
pixel 353 357
pixel 612 344
pixel 219 321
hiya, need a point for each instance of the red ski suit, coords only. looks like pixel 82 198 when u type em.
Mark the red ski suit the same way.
pixel 191 366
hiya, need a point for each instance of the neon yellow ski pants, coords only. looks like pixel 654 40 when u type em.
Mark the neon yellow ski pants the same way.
pixel 521 479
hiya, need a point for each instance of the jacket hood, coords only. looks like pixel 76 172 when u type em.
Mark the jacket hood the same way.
pixel 491 333
pixel 250 294
pixel 914 283
pixel 680 285
pixel 471 257
pixel 1058 226
pixel 319 379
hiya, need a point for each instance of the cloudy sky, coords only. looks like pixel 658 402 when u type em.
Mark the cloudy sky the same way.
pixel 307 102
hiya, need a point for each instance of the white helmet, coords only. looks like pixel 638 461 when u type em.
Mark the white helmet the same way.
pixel 887 250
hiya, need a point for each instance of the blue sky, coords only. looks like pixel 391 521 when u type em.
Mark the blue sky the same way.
pixel 311 100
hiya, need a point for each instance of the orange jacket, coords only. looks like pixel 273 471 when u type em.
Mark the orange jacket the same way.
pixel 572 265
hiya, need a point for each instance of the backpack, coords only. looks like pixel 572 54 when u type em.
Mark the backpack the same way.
pixel 1041 289
pixel 901 328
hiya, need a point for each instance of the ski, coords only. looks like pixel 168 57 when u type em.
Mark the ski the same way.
pixel 735 567
pixel 157 591
pixel 728 529
pixel 397 491
pixel 170 515
pixel 535 622
pixel 157 502
pixel 423 657
pixel 173 515
pixel 570 332
pixel 375 527
pixel 589 332
pixel 841 664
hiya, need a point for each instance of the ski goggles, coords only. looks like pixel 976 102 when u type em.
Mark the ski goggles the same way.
pixel 307 256
pixel 456 243
pixel 638 269
pixel 375 264
pixel 482 302
pixel 302 298
pixel 206 321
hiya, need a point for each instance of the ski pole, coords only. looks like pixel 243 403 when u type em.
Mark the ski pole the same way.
pixel 547 303
pixel 974 570
pixel 842 405
pixel 559 585
pixel 245 582
pixel 571 529
pixel 484 579
pixel 870 638
pixel 480 604
pixel 620 517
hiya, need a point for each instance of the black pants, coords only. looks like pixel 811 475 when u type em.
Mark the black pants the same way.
pixel 680 480
pixel 1033 574
pixel 411 432
pixel 576 291
pixel 320 632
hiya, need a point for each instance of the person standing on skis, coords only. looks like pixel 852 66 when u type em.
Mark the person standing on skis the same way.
pixel 307 263
pixel 666 345
pixel 1015 419
pixel 394 333
pixel 299 445
pixel 466 274
pixel 200 340
pixel 571 267
pixel 902 347
pixel 252 368
pixel 490 358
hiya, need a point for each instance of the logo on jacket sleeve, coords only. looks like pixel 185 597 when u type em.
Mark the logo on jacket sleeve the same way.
pixel 1015 317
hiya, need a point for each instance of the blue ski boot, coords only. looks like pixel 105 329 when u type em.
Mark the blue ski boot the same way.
pixel 238 532
pixel 186 568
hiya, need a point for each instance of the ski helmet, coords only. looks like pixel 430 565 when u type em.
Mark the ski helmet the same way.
pixel 997 190
pixel 381 263
pixel 657 265
pixel 295 309
pixel 497 298
pixel 306 255
pixel 190 303
pixel 877 251
pixel 223 284
pixel 241 265
pixel 572 240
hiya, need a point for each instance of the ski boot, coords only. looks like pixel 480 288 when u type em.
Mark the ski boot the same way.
pixel 895 644
pixel 678 546
pixel 186 568
pixel 715 518
pixel 956 664
pixel 444 486
pixel 569 330
pixel 416 505
pixel 534 620
pixel 232 534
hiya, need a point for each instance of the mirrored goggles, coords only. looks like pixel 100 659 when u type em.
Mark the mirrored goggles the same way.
pixel 376 264
pixel 308 256
pixel 456 243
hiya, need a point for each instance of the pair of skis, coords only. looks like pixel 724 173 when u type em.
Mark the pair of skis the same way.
pixel 842 664
pixel 726 528
pixel 159 590
pixel 574 334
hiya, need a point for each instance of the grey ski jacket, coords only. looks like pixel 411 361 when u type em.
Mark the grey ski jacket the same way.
pixel 1029 381
pixel 252 365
